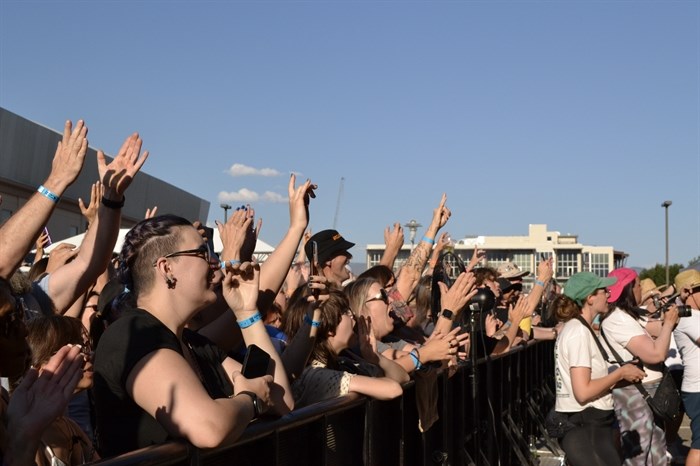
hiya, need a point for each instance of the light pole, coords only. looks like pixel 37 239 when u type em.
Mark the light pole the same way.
pixel 666 205
pixel 226 208
pixel 412 227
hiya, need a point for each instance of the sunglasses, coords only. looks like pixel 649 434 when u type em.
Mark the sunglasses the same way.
pixel 202 252
pixel 381 296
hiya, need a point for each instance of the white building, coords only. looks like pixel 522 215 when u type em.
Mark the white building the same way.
pixel 569 255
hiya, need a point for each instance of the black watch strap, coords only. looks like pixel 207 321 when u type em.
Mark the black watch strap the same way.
pixel 257 405
pixel 447 314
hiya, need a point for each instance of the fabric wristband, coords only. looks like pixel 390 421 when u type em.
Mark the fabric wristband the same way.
pixel 313 323
pixel 249 321
pixel 428 240
pixel 47 193
pixel 232 262
pixel 416 360
pixel 539 282
pixel 113 204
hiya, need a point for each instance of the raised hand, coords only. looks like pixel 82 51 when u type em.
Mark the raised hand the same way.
pixel 299 199
pixel 441 214
pixel 367 340
pixel 96 193
pixel 60 256
pixel 43 395
pixel 117 176
pixel 459 294
pixel 69 157
pixel 240 287
pixel 477 256
pixel 394 238
pixel 150 213
pixel 233 234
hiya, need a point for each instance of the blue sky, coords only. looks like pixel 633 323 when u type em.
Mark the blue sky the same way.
pixel 581 115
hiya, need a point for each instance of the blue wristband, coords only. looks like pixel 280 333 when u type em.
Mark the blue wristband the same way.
pixel 416 360
pixel 233 262
pixel 539 282
pixel 428 240
pixel 313 323
pixel 44 191
pixel 249 321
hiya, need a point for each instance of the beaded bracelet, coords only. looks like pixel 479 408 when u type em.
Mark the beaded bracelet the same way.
pixel 313 323
pixel 428 240
pixel 249 321
pixel 47 193
pixel 232 262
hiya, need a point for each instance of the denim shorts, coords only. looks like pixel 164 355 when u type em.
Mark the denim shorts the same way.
pixel 692 409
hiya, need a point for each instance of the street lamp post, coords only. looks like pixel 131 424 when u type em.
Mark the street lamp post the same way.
pixel 226 208
pixel 412 228
pixel 666 205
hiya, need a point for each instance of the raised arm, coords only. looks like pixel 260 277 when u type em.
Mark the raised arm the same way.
pixel 67 283
pixel 240 288
pixel 274 270
pixel 412 269
pixel 20 231
pixel 393 239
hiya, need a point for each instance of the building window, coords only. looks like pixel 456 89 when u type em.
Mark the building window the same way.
pixel 599 264
pixel 374 259
pixel 523 259
pixel 567 263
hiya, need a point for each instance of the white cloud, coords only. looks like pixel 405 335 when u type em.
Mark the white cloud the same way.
pixel 248 196
pixel 269 196
pixel 238 169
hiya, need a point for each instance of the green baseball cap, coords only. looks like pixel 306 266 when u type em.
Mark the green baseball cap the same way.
pixel 583 284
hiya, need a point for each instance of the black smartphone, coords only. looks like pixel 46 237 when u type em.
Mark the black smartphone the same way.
pixel 314 266
pixel 209 235
pixel 256 362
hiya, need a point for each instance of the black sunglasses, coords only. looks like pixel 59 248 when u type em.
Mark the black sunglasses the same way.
pixel 202 252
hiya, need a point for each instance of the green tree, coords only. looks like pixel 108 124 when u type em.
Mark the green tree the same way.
pixel 658 273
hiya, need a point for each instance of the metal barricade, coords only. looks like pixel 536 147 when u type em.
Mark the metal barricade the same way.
pixel 488 423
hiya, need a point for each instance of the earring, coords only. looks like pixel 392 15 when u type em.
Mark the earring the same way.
pixel 170 282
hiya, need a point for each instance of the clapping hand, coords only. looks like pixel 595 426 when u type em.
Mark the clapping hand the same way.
pixel 118 174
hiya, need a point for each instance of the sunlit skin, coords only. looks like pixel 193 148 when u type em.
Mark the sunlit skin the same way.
pixel 382 323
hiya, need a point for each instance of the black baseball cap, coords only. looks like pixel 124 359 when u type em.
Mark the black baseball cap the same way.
pixel 330 244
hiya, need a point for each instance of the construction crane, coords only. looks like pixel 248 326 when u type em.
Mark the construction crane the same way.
pixel 337 204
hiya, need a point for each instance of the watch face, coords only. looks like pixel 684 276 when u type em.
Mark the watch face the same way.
pixel 447 314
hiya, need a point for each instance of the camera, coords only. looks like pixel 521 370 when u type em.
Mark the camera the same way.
pixel 683 311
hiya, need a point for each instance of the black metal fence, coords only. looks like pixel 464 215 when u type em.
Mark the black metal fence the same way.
pixel 487 416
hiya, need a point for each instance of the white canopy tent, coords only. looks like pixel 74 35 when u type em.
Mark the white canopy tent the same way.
pixel 262 249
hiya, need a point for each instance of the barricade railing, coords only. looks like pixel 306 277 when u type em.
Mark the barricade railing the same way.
pixel 490 422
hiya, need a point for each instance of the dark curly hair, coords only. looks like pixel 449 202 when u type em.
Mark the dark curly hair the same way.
pixel 144 243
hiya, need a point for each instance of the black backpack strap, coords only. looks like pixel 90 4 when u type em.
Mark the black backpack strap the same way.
pixel 640 387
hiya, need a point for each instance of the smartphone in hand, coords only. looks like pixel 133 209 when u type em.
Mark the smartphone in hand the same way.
pixel 256 362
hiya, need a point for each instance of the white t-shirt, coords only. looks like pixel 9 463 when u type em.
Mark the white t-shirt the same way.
pixel 619 328
pixel 687 335
pixel 575 347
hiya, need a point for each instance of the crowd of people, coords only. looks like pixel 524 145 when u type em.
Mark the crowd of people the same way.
pixel 104 354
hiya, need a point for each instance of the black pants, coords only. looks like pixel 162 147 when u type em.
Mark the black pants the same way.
pixel 592 441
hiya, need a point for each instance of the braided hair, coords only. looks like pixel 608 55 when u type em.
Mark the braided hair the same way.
pixel 143 244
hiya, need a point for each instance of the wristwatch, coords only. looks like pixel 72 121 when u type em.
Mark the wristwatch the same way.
pixel 447 314
pixel 257 404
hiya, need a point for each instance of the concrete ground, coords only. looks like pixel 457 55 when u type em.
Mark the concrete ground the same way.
pixel 549 458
